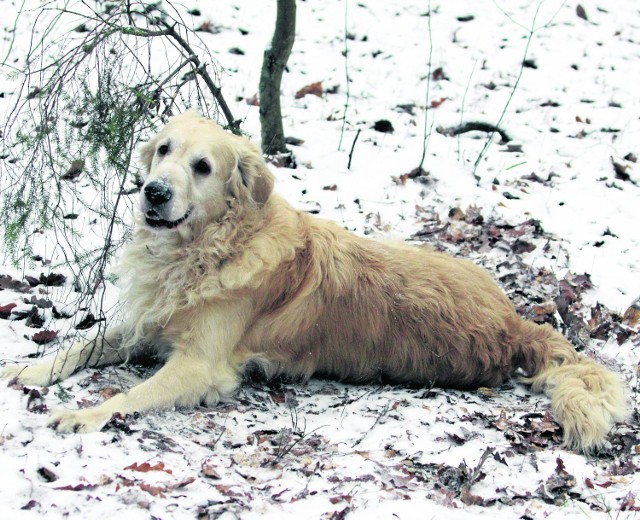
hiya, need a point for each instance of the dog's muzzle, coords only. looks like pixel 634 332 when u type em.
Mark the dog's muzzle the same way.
pixel 157 194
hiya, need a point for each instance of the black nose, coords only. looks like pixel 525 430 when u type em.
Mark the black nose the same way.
pixel 157 193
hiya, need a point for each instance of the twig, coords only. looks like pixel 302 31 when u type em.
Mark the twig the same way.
pixel 13 34
pixel 353 145
pixel 425 135
pixel 532 30
pixel 382 413
pixel 475 126
pixel 464 97
pixel 475 474
pixel 200 69
pixel 346 75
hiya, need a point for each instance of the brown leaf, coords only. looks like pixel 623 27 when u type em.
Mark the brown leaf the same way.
pixel 209 469
pixel 182 483
pixel 544 308
pixel 77 487
pixel 435 103
pixel 253 101
pixel 107 393
pixel 313 88
pixel 87 322
pixel 384 126
pixel 160 489
pixel 145 467
pixel 456 214
pixel 620 170
pixel 44 336
pixel 413 174
pixel 74 170
pixel 155 491
pixel 522 246
pixel 5 310
pixel 6 282
pixel 30 505
pixel 467 498
pixel 50 280
pixel 632 315
pixel 580 11
pixel 438 74
pixel 341 498
pixel 47 474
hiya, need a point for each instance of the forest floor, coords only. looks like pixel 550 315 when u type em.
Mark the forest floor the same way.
pixel 552 214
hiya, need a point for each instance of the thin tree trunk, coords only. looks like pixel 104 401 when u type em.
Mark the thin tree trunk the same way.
pixel 273 64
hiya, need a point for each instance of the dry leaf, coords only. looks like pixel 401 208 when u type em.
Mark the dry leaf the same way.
pixel 313 88
pixel 44 336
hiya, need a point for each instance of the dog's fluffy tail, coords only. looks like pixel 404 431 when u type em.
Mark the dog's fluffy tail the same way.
pixel 586 398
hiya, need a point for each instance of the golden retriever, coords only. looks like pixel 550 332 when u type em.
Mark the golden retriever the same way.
pixel 221 272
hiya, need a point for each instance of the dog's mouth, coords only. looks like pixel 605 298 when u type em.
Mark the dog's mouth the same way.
pixel 153 219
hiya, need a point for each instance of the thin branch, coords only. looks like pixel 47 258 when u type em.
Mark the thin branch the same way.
pixel 353 145
pixel 234 124
pixel 425 135
pixel 464 97
pixel 532 30
pixel 346 74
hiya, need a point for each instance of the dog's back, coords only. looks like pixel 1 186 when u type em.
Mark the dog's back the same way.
pixel 360 310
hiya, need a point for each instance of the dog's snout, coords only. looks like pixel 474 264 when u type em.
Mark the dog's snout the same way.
pixel 157 193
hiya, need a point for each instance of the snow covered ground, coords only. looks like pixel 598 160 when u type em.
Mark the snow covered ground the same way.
pixel 328 450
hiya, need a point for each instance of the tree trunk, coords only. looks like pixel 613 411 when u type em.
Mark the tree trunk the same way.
pixel 273 64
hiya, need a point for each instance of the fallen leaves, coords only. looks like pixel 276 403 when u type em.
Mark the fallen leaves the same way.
pixel 314 89
pixel 435 103
pixel 438 74
pixel 44 336
pixel 73 172
pixel 47 474
pixel 631 316
pixel 8 283
pixel 161 489
pixel 537 294
pixel 384 126
pixel 210 469
pixel 49 280
pixel 5 310
pixel 35 401
pixel 581 12
pixel 416 173
pixel 145 467
pixel 78 487
pixel 557 485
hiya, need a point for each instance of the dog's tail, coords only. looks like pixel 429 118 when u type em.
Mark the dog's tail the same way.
pixel 586 398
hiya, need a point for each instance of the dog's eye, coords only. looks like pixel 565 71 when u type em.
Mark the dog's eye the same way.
pixel 163 149
pixel 202 167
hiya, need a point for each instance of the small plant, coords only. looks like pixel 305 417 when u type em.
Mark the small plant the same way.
pixel 62 394
pixel 95 82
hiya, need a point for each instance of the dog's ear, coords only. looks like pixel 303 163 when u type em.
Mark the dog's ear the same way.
pixel 252 177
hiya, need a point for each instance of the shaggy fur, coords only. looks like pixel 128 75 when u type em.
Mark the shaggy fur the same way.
pixel 225 273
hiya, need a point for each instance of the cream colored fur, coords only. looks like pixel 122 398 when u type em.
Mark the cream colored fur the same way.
pixel 247 278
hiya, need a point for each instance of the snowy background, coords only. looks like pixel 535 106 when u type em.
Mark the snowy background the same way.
pixel 553 215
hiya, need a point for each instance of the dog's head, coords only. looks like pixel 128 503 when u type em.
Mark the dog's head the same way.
pixel 193 168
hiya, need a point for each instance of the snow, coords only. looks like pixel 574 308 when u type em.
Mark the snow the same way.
pixel 328 450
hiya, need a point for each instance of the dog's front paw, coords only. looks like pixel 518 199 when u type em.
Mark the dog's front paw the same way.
pixel 79 421
pixel 35 375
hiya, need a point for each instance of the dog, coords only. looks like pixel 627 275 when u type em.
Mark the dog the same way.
pixel 222 273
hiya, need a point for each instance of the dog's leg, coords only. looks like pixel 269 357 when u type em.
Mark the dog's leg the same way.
pixel 200 367
pixel 183 381
pixel 104 350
